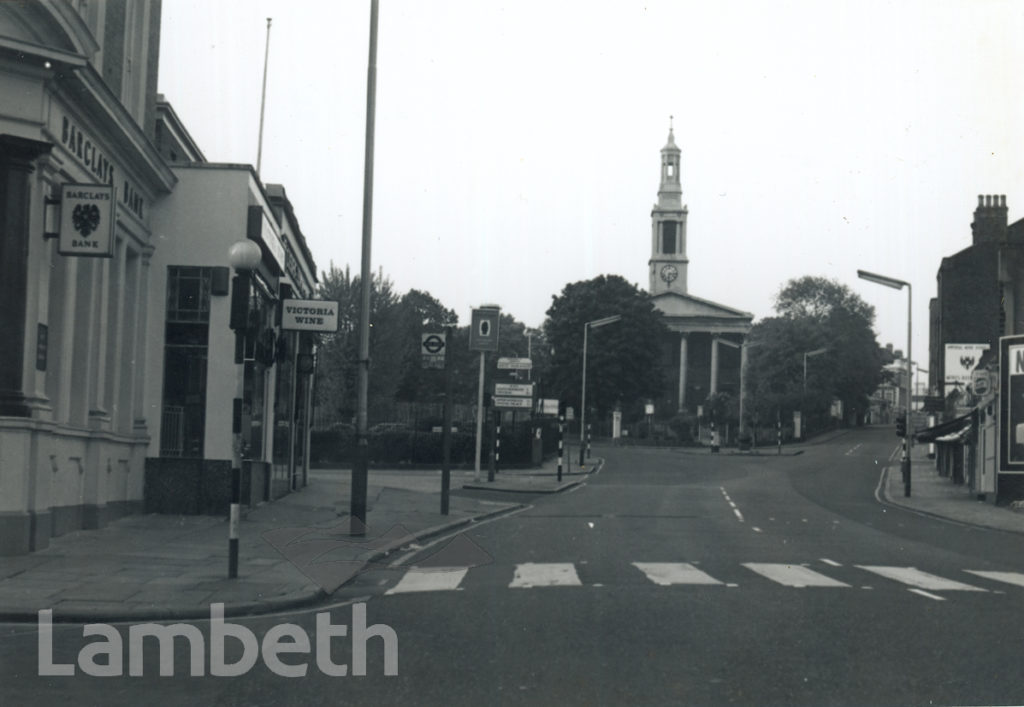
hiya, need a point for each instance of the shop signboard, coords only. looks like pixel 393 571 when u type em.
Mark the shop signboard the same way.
pixel 1011 405
pixel 88 214
pixel 309 315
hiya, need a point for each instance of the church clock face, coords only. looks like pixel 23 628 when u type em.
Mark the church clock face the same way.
pixel 669 273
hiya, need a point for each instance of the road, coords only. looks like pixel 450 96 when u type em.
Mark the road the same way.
pixel 668 578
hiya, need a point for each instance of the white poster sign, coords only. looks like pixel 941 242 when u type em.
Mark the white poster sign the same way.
pixel 960 362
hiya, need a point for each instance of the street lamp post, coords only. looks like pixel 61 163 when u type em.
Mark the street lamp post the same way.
pixel 803 398
pixel 244 256
pixel 583 396
pixel 898 285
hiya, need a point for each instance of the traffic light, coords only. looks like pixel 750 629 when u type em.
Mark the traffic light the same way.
pixel 901 426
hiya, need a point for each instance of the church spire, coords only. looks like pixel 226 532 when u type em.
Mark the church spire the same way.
pixel 670 193
pixel 668 225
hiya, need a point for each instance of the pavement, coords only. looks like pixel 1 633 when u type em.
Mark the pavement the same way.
pixel 292 552
pixel 937 496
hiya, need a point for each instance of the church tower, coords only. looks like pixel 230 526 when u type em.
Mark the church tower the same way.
pixel 668 226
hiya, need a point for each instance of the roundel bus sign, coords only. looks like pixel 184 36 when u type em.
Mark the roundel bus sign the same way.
pixel 432 348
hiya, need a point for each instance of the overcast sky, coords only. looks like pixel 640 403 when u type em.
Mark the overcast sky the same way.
pixel 517 143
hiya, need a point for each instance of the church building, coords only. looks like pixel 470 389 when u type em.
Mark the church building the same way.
pixel 706 346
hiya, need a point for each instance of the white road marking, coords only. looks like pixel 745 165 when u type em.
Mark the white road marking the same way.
pixel 923 593
pixel 756 529
pixel 793 575
pixel 669 573
pixel 441 579
pixel 831 563
pixel 735 510
pixel 545 574
pixel 1009 577
pixel 922 580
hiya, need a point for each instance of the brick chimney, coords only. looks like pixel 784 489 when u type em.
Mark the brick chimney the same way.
pixel 989 223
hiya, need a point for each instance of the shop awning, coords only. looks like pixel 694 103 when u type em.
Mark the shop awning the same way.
pixel 949 431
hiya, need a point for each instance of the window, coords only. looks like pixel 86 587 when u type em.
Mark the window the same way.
pixel 185 356
pixel 188 294
pixel 668 237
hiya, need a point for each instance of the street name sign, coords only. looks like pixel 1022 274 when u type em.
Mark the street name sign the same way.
pixel 309 315
pixel 506 363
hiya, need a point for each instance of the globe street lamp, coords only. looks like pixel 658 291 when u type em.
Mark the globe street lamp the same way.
pixel 898 285
pixel 244 256
pixel 583 397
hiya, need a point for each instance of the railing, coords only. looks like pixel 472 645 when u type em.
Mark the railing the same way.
pixel 172 431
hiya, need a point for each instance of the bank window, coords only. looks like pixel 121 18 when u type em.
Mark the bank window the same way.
pixel 668 237
pixel 188 294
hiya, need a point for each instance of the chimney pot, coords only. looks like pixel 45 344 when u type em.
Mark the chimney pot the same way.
pixel 981 200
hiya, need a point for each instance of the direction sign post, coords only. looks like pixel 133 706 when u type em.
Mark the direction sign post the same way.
pixel 483 337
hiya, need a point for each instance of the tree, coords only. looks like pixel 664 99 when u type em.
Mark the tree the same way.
pixel 623 359
pixel 338 352
pixel 814 313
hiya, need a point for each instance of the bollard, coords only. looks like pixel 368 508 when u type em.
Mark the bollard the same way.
pixel 561 438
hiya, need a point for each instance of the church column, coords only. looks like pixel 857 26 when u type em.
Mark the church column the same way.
pixel 682 371
pixel 714 365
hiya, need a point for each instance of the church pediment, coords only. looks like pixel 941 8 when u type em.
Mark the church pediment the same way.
pixel 673 304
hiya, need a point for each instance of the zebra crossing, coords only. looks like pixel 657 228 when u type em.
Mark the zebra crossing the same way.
pixel 532 575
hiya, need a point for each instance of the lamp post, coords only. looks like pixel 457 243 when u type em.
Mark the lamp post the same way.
pixel 898 285
pixel 244 256
pixel 803 398
pixel 583 396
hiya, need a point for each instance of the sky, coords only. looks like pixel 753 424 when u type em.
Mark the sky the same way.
pixel 517 144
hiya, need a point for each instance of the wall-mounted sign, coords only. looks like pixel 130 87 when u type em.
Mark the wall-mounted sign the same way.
pixel 42 337
pixel 261 230
pixel 960 362
pixel 87 219
pixel 1011 405
pixel 309 315
pixel 980 383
